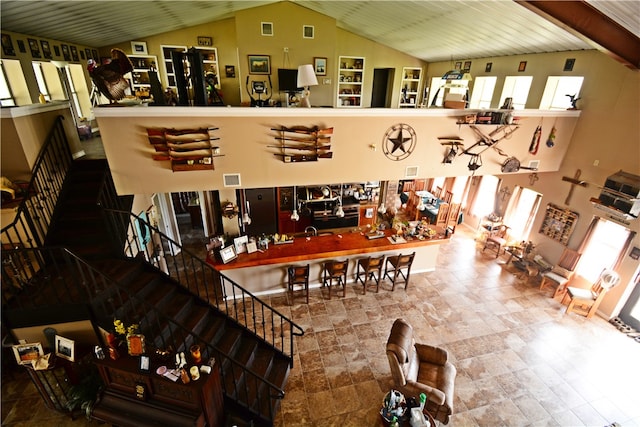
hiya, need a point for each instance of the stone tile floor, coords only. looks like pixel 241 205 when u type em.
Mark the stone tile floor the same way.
pixel 521 361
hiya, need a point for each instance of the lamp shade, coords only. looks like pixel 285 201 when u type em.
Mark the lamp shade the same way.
pixel 306 76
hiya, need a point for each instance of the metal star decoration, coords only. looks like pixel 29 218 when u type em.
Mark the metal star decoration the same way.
pixel 399 141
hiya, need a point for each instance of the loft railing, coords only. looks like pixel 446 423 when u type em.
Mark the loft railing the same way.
pixel 75 281
pixel 33 216
pixel 201 279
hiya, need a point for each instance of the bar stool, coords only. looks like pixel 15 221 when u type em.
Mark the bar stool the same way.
pixel 298 275
pixel 399 265
pixel 369 269
pixel 335 270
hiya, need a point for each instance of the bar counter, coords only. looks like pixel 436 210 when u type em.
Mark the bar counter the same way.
pixel 265 272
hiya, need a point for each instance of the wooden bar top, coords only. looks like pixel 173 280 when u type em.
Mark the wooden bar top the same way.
pixel 336 245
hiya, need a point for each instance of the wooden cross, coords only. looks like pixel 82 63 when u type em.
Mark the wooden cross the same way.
pixel 533 177
pixel 574 181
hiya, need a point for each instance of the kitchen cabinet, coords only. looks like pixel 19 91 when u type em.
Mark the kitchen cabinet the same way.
pixel 350 81
pixel 410 86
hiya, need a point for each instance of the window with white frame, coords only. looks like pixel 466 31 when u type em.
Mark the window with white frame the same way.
pixel 483 88
pixel 439 87
pixel 458 189
pixel 485 199
pixel 16 83
pixel 521 210
pixel 42 83
pixel 558 92
pixel 606 241
pixel 516 88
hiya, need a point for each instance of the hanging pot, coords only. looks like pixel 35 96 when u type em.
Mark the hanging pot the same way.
pixel 513 165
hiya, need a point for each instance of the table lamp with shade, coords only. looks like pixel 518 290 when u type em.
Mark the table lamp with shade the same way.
pixel 306 78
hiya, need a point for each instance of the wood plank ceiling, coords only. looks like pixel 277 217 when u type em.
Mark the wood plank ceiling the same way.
pixel 430 30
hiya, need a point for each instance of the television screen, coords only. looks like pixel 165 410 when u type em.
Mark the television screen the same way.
pixel 288 80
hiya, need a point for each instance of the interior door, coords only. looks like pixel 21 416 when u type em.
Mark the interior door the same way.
pixel 630 313
pixel 381 91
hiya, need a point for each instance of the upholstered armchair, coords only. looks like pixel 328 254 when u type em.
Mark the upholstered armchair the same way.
pixel 421 368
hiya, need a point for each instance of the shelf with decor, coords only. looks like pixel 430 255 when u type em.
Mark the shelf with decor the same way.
pixel 168 63
pixel 139 79
pixel 350 81
pixel 410 86
pixel 210 62
pixel 558 223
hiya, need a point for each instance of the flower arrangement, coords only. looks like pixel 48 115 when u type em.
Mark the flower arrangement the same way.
pixel 123 330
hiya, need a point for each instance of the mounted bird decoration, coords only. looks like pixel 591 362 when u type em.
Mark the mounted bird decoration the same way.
pixel 109 78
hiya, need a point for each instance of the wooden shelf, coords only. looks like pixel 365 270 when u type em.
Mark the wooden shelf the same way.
pixel 350 81
pixel 558 223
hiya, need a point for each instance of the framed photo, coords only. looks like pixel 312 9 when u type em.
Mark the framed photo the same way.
pixel 56 50
pixel 568 64
pixel 26 354
pixel 94 54
pixel 266 28
pixel 252 247
pixel 487 67
pixel 230 70
pixel 145 363
pixel 34 47
pixel 240 244
pixel 467 65
pixel 522 66
pixel 139 48
pixel 259 64
pixel 65 52
pixel 320 66
pixel 135 344
pixel 7 45
pixel 205 41
pixel 228 254
pixel 65 348
pixel 458 65
pixel 87 53
pixel 74 53
pixel 308 31
pixel 21 47
pixel 46 49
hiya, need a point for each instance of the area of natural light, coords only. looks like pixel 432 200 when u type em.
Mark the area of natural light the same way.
pixel 603 249
pixel 486 197
pixel 558 92
pixel 482 92
pixel 522 208
pixel 516 88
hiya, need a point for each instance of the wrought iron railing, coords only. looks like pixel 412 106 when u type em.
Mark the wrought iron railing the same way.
pixel 201 279
pixel 34 214
pixel 75 281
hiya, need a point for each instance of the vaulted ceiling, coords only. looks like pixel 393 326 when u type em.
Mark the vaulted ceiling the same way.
pixel 429 30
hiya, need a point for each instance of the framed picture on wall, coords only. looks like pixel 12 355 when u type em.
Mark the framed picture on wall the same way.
pixel 56 50
pixel 46 49
pixel 320 66
pixel 259 64
pixel 65 52
pixel 7 45
pixel 139 48
pixel 35 48
pixel 21 47
pixel 74 53
pixel 522 66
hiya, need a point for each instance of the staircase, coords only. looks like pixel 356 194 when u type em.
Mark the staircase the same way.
pixel 246 339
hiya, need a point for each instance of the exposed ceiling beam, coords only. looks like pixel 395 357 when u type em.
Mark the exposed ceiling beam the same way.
pixel 587 22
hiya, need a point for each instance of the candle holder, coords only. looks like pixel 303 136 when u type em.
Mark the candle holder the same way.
pixel 195 354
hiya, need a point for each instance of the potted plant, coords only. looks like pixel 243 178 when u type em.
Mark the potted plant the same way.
pixel 83 395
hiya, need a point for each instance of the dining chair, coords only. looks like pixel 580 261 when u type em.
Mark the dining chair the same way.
pixel 443 215
pixel 561 273
pixel 586 301
pixel 448 196
pixel 453 217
